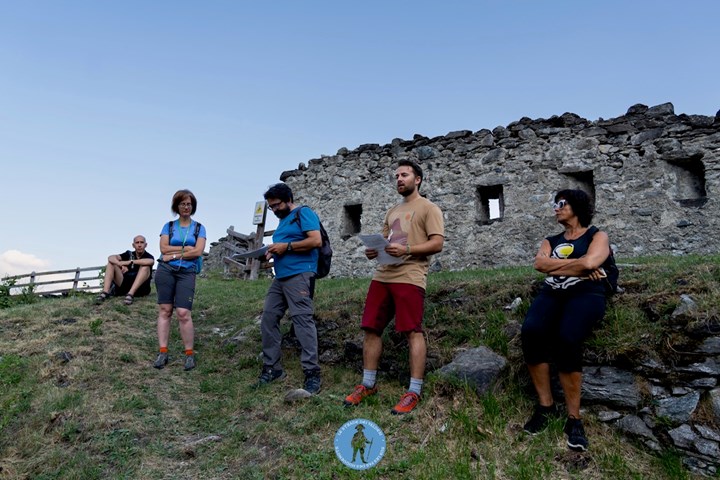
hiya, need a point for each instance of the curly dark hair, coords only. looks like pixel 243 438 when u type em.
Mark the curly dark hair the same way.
pixel 580 202
pixel 280 191
pixel 181 195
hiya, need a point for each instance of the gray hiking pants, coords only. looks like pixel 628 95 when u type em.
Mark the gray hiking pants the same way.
pixel 294 294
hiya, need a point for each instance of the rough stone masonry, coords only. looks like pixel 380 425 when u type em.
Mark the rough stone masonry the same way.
pixel 654 177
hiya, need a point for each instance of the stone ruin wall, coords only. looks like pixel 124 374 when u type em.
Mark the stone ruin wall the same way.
pixel 654 177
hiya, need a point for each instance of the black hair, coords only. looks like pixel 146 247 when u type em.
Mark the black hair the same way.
pixel 415 167
pixel 580 203
pixel 279 191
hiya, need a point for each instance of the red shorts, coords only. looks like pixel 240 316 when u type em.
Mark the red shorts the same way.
pixel 384 300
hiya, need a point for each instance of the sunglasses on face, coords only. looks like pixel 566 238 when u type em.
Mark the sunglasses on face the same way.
pixel 559 205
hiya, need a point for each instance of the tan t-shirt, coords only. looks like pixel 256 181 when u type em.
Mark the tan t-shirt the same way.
pixel 410 224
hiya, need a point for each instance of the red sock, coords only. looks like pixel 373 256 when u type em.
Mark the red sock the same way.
pixel 189 351
pixel 163 349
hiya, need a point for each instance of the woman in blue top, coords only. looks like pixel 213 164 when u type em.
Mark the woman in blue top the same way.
pixel 182 243
pixel 570 303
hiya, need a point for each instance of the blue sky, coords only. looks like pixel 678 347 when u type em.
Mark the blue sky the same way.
pixel 108 108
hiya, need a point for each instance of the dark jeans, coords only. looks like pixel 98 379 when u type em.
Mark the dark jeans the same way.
pixel 557 325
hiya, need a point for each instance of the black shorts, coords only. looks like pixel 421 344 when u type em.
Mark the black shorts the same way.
pixel 175 286
pixel 128 280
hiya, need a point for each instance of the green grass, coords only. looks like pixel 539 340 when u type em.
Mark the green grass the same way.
pixel 106 413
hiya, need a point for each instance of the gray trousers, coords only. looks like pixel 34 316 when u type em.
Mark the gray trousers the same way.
pixel 293 294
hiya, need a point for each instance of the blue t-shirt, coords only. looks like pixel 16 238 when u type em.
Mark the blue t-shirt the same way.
pixel 289 230
pixel 183 236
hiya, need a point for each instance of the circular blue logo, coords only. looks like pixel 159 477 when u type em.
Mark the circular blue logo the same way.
pixel 360 444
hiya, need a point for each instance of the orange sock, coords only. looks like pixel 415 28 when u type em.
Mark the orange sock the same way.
pixel 189 351
pixel 163 349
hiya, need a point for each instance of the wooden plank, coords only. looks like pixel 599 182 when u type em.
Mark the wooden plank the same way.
pixel 238 235
pixel 230 261
pixel 68 290
pixel 55 272
pixel 235 248
pixel 53 282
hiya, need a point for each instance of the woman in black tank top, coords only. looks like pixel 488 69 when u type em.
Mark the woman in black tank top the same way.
pixel 570 304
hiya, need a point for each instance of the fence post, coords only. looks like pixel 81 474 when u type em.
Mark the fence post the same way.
pixel 226 267
pixel 77 278
pixel 255 265
pixel 32 280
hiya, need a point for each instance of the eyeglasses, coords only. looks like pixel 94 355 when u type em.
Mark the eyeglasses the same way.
pixel 559 205
pixel 274 206
pixel 185 205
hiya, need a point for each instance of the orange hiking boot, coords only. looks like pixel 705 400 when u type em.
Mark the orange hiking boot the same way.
pixel 360 393
pixel 406 404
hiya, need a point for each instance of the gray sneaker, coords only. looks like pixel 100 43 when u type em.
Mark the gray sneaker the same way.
pixel 312 382
pixel 269 374
pixel 189 362
pixel 161 360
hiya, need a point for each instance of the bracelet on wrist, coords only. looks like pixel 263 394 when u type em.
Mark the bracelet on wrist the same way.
pixel 407 249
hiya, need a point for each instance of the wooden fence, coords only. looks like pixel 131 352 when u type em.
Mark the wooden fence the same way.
pixel 248 268
pixel 71 280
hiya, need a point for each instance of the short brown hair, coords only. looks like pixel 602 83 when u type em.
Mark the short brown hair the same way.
pixel 179 196
pixel 415 168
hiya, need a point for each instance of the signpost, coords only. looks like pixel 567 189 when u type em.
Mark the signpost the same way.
pixel 259 220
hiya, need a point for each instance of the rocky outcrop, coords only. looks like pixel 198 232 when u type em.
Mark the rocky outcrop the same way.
pixel 479 367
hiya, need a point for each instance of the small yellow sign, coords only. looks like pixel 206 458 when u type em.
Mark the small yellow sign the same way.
pixel 259 216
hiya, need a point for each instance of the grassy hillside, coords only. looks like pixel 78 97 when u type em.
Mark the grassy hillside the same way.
pixel 80 400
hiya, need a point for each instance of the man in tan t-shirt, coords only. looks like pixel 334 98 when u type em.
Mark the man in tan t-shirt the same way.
pixel 415 230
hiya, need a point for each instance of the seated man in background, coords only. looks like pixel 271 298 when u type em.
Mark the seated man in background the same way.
pixel 129 272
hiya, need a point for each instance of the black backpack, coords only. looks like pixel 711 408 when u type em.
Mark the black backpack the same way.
pixel 610 268
pixel 199 260
pixel 325 251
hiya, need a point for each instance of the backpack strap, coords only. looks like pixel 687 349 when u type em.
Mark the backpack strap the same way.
pixel 171 227
pixel 297 217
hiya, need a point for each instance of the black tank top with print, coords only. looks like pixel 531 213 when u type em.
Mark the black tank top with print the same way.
pixel 560 247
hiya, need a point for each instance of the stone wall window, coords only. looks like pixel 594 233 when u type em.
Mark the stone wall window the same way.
pixel 491 205
pixel 581 181
pixel 688 183
pixel 351 221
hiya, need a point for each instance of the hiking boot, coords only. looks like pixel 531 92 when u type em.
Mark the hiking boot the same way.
pixel 269 374
pixel 576 434
pixel 540 419
pixel 161 360
pixel 360 393
pixel 407 403
pixel 312 382
pixel 189 362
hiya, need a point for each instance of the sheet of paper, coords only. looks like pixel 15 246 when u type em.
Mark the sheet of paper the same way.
pixel 259 253
pixel 378 242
